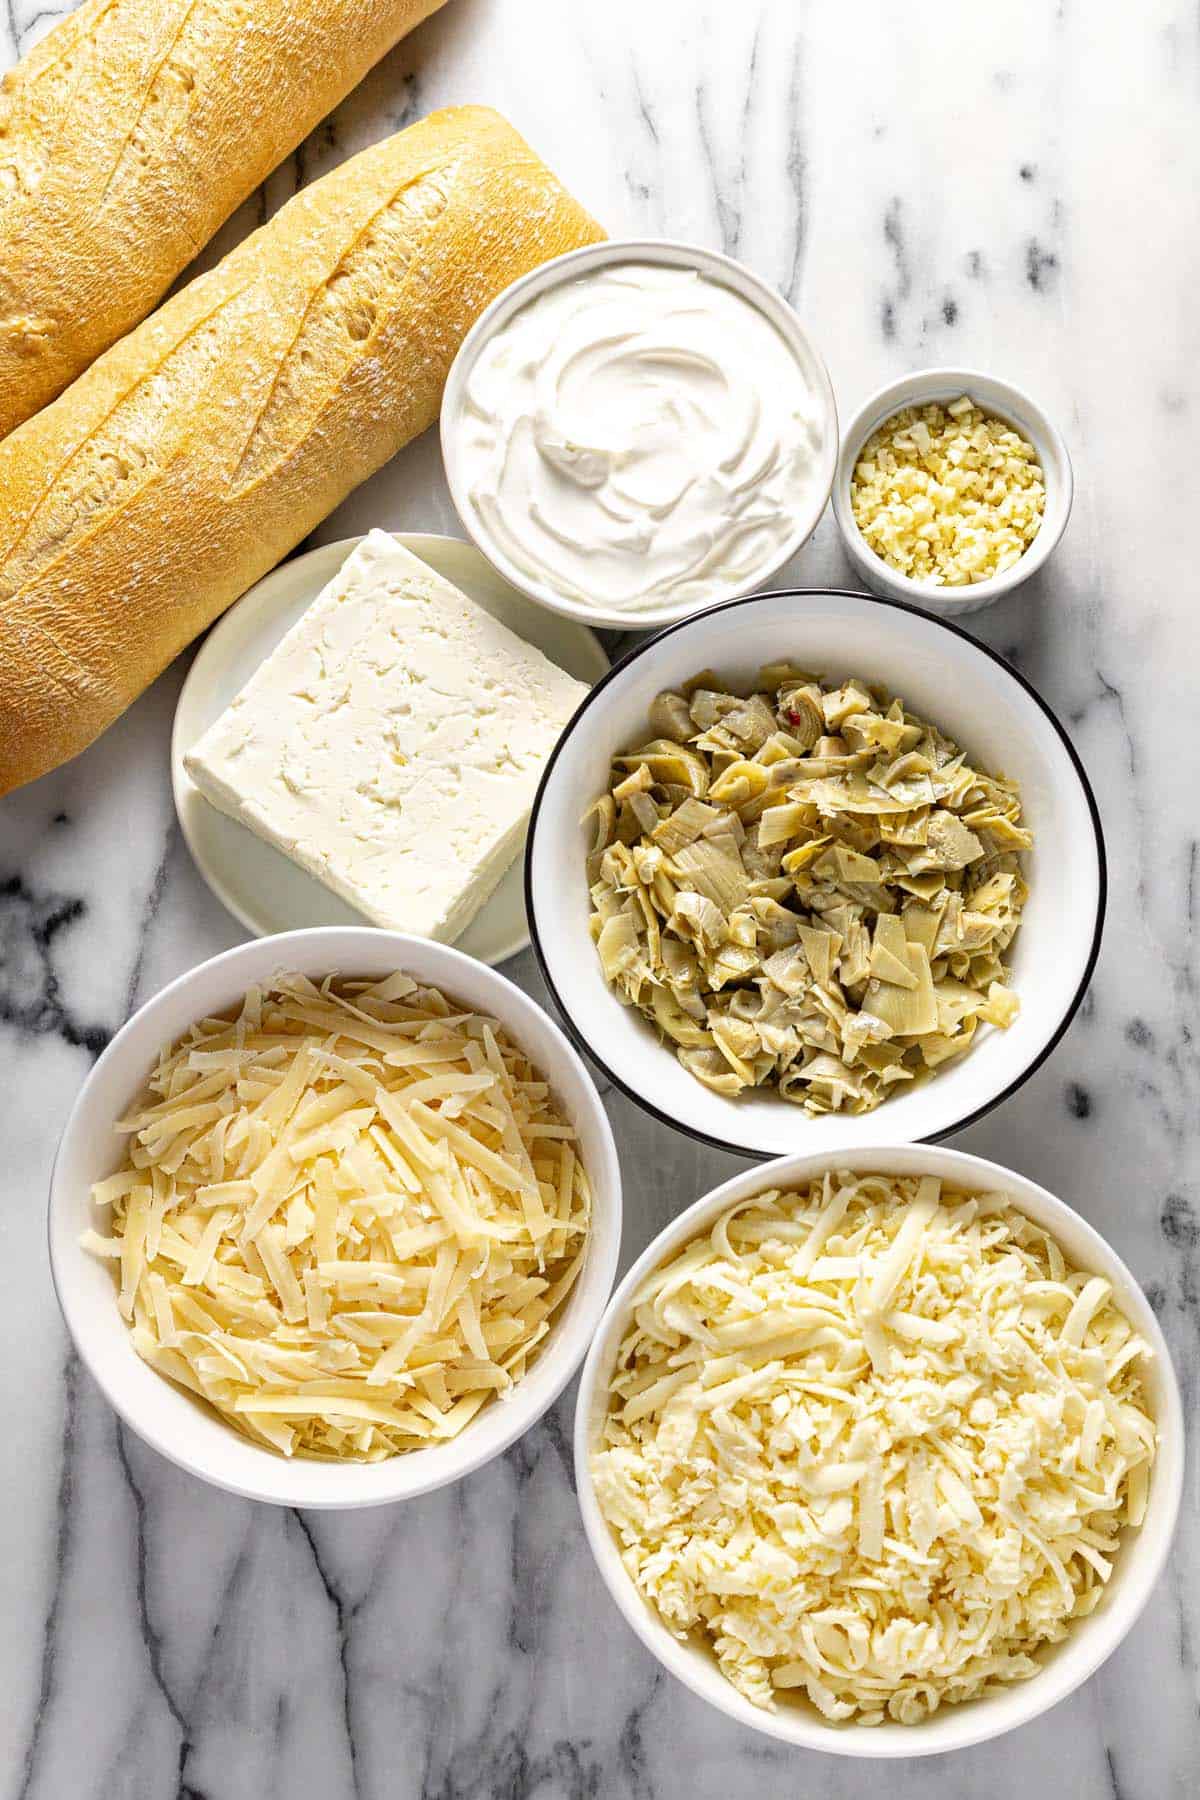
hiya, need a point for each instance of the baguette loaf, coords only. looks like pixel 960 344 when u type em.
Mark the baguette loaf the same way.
pixel 187 460
pixel 126 137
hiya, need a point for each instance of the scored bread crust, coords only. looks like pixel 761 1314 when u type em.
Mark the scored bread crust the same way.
pixel 128 134
pixel 194 454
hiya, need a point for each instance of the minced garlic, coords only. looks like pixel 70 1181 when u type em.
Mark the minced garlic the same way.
pixel 876 1442
pixel 948 495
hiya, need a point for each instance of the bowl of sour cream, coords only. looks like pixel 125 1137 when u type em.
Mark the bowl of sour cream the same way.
pixel 637 430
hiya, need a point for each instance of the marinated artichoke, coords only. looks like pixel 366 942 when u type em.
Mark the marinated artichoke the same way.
pixel 808 887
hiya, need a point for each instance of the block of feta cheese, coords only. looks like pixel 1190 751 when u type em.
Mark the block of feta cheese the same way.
pixel 392 742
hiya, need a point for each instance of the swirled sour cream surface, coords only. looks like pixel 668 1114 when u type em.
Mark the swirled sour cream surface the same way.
pixel 639 436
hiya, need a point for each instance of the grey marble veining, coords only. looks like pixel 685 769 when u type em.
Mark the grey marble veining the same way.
pixel 1012 188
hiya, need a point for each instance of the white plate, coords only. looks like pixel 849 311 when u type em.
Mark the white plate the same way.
pixel 258 884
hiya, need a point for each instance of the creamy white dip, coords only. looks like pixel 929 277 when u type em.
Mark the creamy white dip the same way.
pixel 639 436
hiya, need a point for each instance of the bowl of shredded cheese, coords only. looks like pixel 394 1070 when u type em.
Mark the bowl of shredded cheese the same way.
pixel 334 1217
pixel 881 1454
pixel 953 487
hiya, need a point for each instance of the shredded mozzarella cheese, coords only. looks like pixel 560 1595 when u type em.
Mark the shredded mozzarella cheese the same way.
pixel 347 1216
pixel 948 495
pixel 874 1442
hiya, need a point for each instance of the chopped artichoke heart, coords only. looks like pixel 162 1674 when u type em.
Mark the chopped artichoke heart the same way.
pixel 618 945
pixel 714 871
pixel 732 962
pixel 904 770
pixel 751 723
pixel 855 793
pixel 644 811
pixel 710 1067
pixel 842 864
pixel 740 783
pixel 956 1002
pixel 803 712
pixel 671 763
pixel 781 824
pixel 807 887
pixel 910 827
pixel 671 717
pixel 684 825
pixel 820 948
pixel 639 782
pixel 908 1010
pixel 1005 834
pixel 869 730
pixel 738 1043
pixel 674 1022
pixel 889 952
pixel 789 970
pixel 698 917
pixel 921 925
pixel 603 819
pixel 924 887
pixel 1002 1005
pixel 855 965
pixel 804 855
pixel 830 1082
pixel 976 930
pixel 743 929
pixel 949 845
pixel 842 702
pixel 863 1028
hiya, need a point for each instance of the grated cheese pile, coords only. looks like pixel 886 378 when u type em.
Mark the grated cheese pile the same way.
pixel 874 1442
pixel 346 1217
pixel 948 495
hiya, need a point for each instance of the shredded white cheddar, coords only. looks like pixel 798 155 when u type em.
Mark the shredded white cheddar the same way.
pixel 347 1216
pixel 948 495
pixel 874 1442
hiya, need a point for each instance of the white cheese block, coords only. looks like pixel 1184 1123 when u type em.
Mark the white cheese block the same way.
pixel 392 742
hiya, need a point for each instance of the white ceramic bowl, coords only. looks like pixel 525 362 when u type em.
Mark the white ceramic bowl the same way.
pixel 1090 1641
pixel 171 1420
pixel 942 674
pixel 994 396
pixel 574 263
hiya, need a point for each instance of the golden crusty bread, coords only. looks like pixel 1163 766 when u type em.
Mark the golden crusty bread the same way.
pixel 126 137
pixel 186 461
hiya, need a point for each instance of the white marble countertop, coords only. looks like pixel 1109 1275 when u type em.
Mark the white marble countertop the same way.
pixel 1012 188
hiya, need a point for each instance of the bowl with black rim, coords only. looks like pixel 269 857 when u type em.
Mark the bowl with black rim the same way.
pixel 943 675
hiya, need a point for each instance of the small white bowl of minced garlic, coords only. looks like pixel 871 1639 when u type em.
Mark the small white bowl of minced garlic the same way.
pixel 952 488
